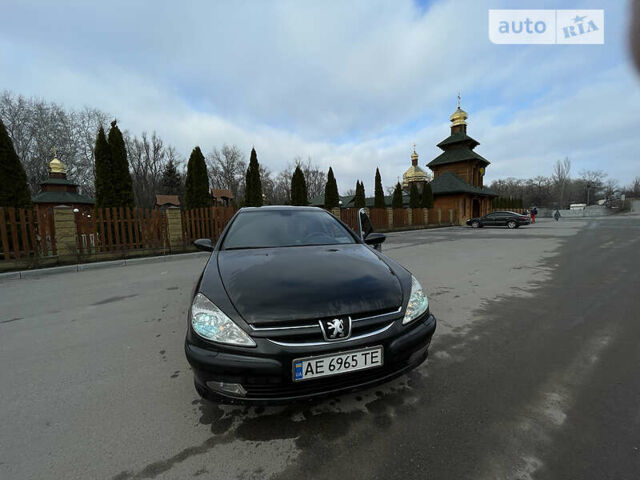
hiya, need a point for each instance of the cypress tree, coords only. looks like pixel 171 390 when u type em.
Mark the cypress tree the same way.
pixel 331 196
pixel 196 191
pixel 427 196
pixel 378 201
pixel 103 182
pixel 397 196
pixel 298 188
pixel 253 184
pixel 120 177
pixel 359 200
pixel 414 196
pixel 171 181
pixel 14 191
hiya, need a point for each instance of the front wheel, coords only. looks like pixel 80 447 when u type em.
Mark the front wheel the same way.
pixel 511 224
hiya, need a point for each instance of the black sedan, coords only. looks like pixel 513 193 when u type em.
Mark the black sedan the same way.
pixel 500 219
pixel 293 304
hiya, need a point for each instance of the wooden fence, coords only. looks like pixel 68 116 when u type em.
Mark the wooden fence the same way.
pixel 120 229
pixel 30 234
pixel 205 222
pixel 379 218
pixel 26 233
pixel 417 216
pixel 350 217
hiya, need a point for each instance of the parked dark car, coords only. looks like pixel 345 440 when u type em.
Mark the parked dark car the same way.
pixel 500 219
pixel 293 304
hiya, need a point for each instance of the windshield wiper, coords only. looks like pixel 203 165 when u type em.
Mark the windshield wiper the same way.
pixel 245 248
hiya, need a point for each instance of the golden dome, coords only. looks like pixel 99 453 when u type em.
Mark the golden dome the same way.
pixel 459 117
pixel 414 173
pixel 56 166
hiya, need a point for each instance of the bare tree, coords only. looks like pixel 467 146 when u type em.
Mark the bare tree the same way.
pixel 227 168
pixel 87 121
pixel 147 158
pixel 634 189
pixel 593 183
pixel 268 185
pixel 314 177
pixel 282 187
pixel 561 175
pixel 36 126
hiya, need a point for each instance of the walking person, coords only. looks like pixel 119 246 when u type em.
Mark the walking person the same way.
pixel 534 212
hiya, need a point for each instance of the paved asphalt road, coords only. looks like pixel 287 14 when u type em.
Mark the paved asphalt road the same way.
pixel 534 372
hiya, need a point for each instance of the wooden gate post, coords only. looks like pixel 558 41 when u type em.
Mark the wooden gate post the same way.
pixel 174 229
pixel 65 227
pixel 390 217
pixel 410 216
pixel 425 212
pixel 439 216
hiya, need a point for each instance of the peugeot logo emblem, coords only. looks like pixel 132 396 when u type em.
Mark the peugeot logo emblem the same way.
pixel 336 328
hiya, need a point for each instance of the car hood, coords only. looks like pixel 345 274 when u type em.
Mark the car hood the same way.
pixel 289 283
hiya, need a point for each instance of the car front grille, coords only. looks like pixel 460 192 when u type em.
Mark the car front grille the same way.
pixel 309 333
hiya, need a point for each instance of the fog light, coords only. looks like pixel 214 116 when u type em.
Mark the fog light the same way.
pixel 232 388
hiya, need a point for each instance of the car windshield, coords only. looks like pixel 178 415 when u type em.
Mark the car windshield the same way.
pixel 285 228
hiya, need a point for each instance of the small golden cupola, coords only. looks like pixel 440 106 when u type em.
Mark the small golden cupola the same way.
pixel 459 119
pixel 56 167
pixel 414 173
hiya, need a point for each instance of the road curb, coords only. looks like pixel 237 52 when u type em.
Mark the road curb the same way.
pixel 81 267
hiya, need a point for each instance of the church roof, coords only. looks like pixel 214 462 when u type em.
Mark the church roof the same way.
pixel 449 182
pixel 458 137
pixel 457 154
pixel 58 181
pixel 62 198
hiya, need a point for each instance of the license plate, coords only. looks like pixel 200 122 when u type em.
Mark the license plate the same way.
pixel 336 363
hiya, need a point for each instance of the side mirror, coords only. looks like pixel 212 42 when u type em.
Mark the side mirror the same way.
pixel 364 224
pixel 204 244
pixel 375 240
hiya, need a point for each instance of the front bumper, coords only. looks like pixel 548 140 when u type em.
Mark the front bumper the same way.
pixel 268 379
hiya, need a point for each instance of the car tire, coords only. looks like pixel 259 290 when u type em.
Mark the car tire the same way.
pixel 511 224
pixel 475 224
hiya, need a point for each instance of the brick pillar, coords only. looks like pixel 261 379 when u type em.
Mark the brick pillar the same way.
pixel 410 216
pixel 439 216
pixel 174 229
pixel 335 212
pixel 65 227
pixel 425 212
pixel 390 217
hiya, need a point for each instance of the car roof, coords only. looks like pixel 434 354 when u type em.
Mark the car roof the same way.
pixel 280 208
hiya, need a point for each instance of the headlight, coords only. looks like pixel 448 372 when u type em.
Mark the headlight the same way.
pixel 211 323
pixel 418 303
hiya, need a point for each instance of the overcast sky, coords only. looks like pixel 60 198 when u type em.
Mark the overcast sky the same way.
pixel 351 84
